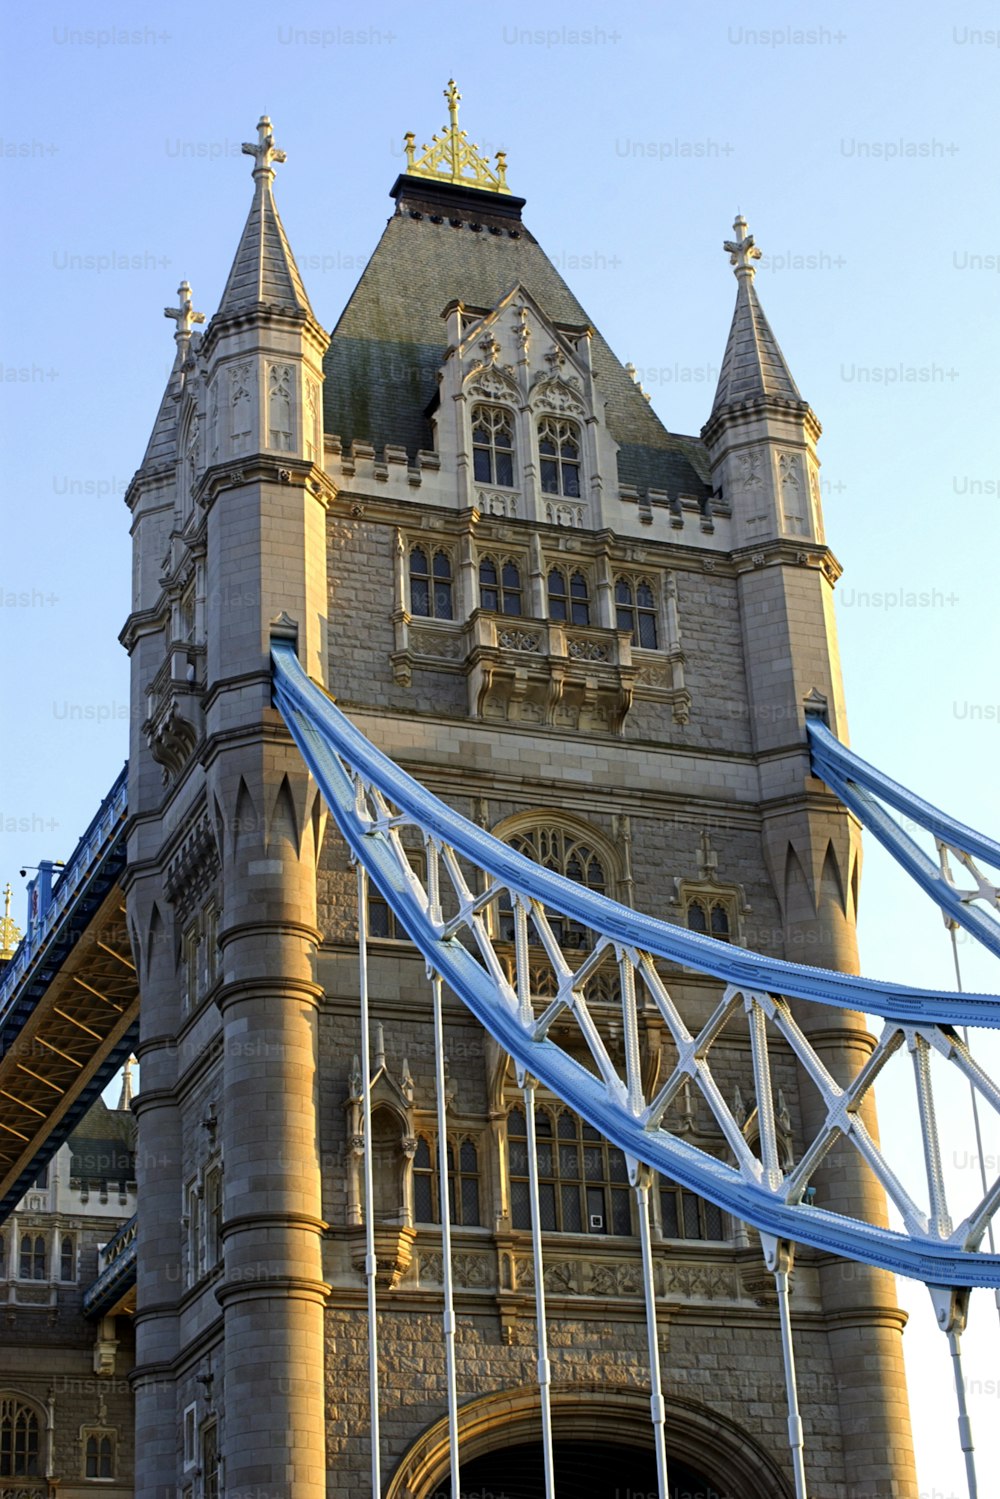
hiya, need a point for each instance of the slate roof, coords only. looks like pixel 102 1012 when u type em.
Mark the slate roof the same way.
pixel 753 364
pixel 264 270
pixel 103 1144
pixel 390 342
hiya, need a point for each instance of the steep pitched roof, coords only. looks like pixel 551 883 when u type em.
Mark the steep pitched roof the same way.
pixel 753 364
pixel 446 243
pixel 264 270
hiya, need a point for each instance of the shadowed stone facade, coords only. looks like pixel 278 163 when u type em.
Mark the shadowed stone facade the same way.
pixel 589 635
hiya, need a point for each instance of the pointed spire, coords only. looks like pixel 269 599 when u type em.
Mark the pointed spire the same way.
pixel 264 270
pixel 753 364
pixel 125 1096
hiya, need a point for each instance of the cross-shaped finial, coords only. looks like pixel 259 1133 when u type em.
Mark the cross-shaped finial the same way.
pixel 264 151
pixel 184 314
pixel 453 96
pixel 742 250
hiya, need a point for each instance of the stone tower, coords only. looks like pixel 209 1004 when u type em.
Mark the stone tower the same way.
pixel 594 637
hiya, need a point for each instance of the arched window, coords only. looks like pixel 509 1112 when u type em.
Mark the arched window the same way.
pixel 463 1183
pixel 711 917
pixel 559 454
pixel 685 1215
pixel 67 1257
pixel 569 854
pixel 431 584
pixel 583 1184
pixel 19 1439
pixel 571 603
pixel 99 1454
pixel 33 1257
pixel 493 446
pixel 635 611
pixel 500 585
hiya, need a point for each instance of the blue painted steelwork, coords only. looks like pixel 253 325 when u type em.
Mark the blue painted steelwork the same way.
pixel 336 752
pixel 857 784
pixel 94 867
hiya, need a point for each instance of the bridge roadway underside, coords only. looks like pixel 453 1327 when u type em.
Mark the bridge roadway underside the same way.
pixel 77 1032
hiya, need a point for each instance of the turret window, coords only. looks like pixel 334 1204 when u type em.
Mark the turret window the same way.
pixel 431 584
pixel 635 611
pixel 559 455
pixel 500 585
pixel 569 603
pixel 493 446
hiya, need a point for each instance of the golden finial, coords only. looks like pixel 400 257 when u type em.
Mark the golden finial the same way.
pixel 10 935
pixel 453 158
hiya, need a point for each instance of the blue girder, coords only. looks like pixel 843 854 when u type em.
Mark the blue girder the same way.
pixel 326 738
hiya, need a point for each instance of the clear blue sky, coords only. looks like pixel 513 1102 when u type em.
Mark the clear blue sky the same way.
pixel 860 144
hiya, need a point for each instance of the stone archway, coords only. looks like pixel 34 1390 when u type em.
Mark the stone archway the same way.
pixel 722 1460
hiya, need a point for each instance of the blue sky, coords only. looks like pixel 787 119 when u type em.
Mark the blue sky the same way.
pixel 859 143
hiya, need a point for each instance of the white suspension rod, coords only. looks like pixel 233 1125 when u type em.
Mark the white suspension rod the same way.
pixel 444 1198
pixel 544 1368
pixel 778 1258
pixel 366 1106
pixel 975 1108
pixel 656 1406
pixel 951 1307
pixel 964 1423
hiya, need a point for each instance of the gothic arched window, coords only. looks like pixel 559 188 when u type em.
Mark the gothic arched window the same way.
pixel 463 1183
pixel 33 1257
pixel 569 603
pixel 711 917
pixel 500 585
pixel 99 1454
pixel 559 455
pixel 431 584
pixel 493 446
pixel 583 1184
pixel 67 1258
pixel 635 611
pixel 567 853
pixel 19 1439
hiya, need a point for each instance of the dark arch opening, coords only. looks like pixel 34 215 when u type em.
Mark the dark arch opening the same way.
pixel 600 1470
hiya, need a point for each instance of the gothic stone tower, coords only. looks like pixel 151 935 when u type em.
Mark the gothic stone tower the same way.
pixel 599 640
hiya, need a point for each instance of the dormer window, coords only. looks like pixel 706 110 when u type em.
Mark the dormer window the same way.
pixel 493 446
pixel 559 452
pixel 568 604
pixel 431 584
pixel 500 585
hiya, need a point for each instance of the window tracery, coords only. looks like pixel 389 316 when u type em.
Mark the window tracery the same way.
pixel 431 583
pixel 500 586
pixel 559 456
pixel 493 446
pixel 569 600
pixel 463 1182
pixel 20 1439
pixel 583 1184
pixel 636 611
